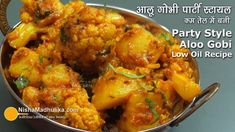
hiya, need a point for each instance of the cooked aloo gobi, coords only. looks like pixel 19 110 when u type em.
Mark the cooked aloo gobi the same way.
pixel 106 68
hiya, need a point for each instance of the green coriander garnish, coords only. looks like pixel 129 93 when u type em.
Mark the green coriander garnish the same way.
pixel 49 67
pixel 21 82
pixel 129 75
pixel 146 86
pixel 152 105
pixel 41 59
pixel 166 37
pixel 164 97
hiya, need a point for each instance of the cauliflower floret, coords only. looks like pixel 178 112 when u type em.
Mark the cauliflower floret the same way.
pixel 82 113
pixel 49 54
pixel 61 89
pixel 22 34
pixel 31 96
pixel 87 38
pixel 43 12
pixel 60 76
pixel 55 97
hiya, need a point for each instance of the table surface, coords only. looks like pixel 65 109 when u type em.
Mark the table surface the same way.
pixel 217 115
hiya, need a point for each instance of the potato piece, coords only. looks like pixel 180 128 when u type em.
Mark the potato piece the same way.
pixel 168 92
pixel 185 87
pixel 25 62
pixel 60 76
pixel 138 47
pixel 22 34
pixel 31 96
pixel 137 115
pixel 112 89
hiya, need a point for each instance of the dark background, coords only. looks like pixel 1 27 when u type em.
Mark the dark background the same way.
pixel 216 116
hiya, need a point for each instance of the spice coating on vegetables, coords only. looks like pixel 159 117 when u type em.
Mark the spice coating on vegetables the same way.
pixel 113 71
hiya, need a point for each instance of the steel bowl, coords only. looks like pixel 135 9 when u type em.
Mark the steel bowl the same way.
pixel 46 124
